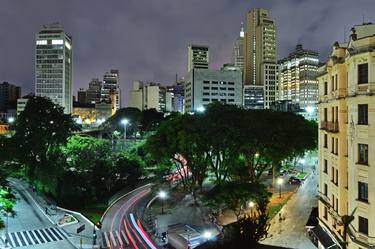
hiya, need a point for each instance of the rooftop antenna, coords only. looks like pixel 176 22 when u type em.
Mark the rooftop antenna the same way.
pixel 344 34
pixel 363 18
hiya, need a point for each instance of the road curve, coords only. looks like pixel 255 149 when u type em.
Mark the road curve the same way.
pixel 121 225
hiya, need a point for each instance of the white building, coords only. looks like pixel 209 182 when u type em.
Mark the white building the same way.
pixel 150 96
pixel 198 57
pixel 54 65
pixel 204 86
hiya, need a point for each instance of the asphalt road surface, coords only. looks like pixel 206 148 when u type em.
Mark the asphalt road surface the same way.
pixel 121 226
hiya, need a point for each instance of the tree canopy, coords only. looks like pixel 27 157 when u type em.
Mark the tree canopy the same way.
pixel 39 128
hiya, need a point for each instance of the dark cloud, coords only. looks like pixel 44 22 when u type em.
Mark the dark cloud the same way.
pixel 147 39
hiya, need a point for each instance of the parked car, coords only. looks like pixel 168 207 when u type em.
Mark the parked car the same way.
pixel 294 180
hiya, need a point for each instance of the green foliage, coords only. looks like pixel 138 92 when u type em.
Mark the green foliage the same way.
pixel 225 138
pixel 39 128
pixel 236 195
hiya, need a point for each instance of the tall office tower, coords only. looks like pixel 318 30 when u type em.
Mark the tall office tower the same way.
pixel 54 65
pixel 346 143
pixel 298 81
pixel 94 91
pixel 260 53
pixel 238 53
pixel 198 57
pixel 111 81
pixel 8 96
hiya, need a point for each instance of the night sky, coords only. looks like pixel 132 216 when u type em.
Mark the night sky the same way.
pixel 147 39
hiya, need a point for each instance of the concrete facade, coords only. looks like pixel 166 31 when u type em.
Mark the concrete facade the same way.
pixel 198 56
pixel 54 65
pixel 346 136
pixel 261 66
pixel 111 85
pixel 204 86
pixel 297 74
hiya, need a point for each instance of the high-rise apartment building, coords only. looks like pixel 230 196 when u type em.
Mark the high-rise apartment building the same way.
pixel 260 66
pixel 297 75
pixel 54 65
pixel 9 94
pixel 346 138
pixel 198 57
pixel 238 53
pixel 111 81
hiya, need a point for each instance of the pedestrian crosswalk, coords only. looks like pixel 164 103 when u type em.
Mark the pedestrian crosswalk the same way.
pixel 34 237
pixel 114 239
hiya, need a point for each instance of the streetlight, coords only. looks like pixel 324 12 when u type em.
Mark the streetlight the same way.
pixel 251 205
pixel 280 182
pixel 201 109
pixel 11 120
pixel 162 195
pixel 125 122
pixel 207 235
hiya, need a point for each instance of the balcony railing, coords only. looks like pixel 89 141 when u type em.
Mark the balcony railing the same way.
pixel 329 126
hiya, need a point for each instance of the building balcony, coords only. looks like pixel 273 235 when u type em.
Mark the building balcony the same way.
pixel 329 126
pixel 364 89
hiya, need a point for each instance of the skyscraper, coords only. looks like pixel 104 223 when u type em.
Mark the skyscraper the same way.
pixel 298 81
pixel 260 53
pixel 94 91
pixel 54 65
pixel 110 85
pixel 198 57
pixel 238 53
pixel 9 94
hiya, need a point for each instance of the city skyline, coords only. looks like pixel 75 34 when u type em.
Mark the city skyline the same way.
pixel 122 40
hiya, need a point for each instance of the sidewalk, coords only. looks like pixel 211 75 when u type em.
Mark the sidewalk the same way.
pixel 54 214
pixel 183 213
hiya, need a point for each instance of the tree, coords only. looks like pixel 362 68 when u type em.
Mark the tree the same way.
pixel 133 115
pixel 236 195
pixel 245 233
pixel 182 139
pixel 151 119
pixel 40 128
pixel 128 170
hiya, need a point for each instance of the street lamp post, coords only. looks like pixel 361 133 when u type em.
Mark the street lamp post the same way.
pixel 280 182
pixel 251 205
pixel 162 195
pixel 125 122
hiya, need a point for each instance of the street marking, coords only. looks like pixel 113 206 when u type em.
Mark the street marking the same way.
pixel 33 237
pixel 124 236
pixel 14 240
pixel 113 238
pixel 106 239
pixel 27 237
pixel 119 238
pixel 36 237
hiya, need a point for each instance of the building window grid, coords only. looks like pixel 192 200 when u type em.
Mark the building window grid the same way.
pixel 363 154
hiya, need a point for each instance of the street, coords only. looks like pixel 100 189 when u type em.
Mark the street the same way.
pixel 290 232
pixel 122 227
pixel 30 228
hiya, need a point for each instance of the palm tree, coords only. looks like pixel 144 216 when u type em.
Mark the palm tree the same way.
pixel 345 222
